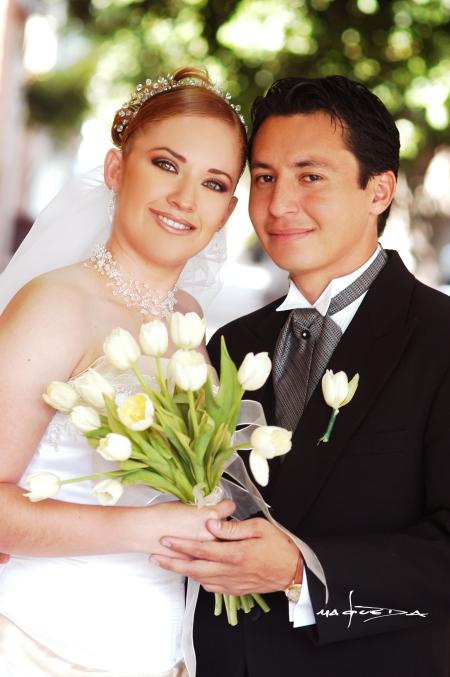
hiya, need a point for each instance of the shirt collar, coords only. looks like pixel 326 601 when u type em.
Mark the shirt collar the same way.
pixel 295 298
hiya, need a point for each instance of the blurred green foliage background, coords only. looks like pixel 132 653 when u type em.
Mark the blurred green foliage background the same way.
pixel 400 50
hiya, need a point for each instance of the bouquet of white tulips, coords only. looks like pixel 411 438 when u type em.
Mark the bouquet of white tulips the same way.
pixel 176 439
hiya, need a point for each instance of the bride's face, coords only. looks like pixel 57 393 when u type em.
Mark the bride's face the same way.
pixel 174 187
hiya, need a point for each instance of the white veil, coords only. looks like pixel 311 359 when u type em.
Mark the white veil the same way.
pixel 77 219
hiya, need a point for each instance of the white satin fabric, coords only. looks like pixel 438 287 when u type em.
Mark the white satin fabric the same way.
pixel 113 613
pixel 21 655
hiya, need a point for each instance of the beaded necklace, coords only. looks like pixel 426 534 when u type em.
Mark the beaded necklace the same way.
pixel 135 294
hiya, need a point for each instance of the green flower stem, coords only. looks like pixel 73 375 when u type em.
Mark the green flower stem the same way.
pixel 112 474
pixel 244 445
pixel 232 605
pixel 193 413
pixel 226 602
pixel 261 602
pixel 141 379
pixel 161 379
pixel 246 603
pixel 219 604
pixel 330 426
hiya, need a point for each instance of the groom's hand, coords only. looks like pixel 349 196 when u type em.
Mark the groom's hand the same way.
pixel 249 556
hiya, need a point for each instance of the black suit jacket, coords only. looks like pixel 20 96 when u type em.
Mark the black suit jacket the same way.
pixel 373 503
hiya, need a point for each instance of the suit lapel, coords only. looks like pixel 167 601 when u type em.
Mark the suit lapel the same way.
pixel 371 346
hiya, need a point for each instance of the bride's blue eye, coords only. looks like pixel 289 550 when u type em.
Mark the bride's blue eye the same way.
pixel 166 165
pixel 215 185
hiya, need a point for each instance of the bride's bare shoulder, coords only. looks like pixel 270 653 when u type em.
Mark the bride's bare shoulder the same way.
pixel 60 291
pixel 47 325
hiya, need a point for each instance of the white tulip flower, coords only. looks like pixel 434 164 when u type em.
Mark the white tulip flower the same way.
pixel 260 468
pixel 188 369
pixel 336 388
pixel 154 338
pixel 271 441
pixel 121 349
pixel 91 386
pixel 337 392
pixel 42 485
pixel 137 412
pixel 254 371
pixel 115 447
pixel 60 396
pixel 267 441
pixel 85 419
pixel 108 491
pixel 187 330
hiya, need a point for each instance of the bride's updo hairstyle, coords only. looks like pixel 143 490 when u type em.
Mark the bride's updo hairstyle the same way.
pixel 187 91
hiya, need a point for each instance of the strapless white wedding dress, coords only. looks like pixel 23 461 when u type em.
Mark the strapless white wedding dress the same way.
pixel 115 613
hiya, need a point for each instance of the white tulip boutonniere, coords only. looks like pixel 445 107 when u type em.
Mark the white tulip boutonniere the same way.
pixel 337 392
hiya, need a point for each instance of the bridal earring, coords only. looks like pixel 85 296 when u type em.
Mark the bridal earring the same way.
pixel 112 206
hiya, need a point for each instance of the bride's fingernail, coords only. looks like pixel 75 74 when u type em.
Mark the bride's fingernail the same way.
pixel 155 561
pixel 166 542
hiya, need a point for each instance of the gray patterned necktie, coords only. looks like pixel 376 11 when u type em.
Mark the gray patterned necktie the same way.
pixel 305 346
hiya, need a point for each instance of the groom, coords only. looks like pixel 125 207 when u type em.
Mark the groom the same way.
pixel 373 502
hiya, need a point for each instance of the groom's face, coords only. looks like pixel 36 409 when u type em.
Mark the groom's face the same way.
pixel 306 204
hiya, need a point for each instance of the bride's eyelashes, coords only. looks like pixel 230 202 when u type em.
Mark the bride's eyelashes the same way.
pixel 169 166
pixel 165 165
pixel 215 185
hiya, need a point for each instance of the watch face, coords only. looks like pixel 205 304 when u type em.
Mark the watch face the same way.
pixel 293 593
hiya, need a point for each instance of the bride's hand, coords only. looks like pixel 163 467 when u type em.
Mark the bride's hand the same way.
pixel 187 521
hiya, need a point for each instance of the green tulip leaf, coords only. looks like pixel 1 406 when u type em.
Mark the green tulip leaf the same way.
pixel 206 431
pixel 98 433
pixel 227 400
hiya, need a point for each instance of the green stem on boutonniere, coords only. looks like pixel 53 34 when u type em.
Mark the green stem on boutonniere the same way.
pixel 326 436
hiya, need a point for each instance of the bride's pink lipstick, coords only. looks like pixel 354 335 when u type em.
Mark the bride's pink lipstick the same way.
pixel 172 224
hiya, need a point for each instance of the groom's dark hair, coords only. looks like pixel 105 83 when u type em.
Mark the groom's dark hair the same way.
pixel 368 129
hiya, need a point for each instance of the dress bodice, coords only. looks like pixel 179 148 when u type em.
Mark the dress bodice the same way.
pixel 106 612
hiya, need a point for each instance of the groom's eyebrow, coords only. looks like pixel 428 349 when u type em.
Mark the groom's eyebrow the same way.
pixel 297 164
pixel 260 165
pixel 310 163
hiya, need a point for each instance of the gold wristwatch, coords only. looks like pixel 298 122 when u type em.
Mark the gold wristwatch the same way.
pixel 293 590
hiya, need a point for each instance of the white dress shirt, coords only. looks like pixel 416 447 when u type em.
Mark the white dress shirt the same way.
pixel 301 613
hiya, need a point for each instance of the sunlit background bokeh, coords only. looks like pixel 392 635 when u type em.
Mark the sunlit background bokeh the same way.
pixel 67 65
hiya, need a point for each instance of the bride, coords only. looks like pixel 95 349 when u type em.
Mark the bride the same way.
pixel 79 595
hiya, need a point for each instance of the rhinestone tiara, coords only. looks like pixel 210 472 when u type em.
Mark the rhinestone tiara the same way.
pixel 144 92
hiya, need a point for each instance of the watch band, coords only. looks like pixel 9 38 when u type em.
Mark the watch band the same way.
pixel 294 588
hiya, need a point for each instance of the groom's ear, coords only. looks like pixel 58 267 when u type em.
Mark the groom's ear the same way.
pixel 383 190
pixel 230 209
pixel 113 169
